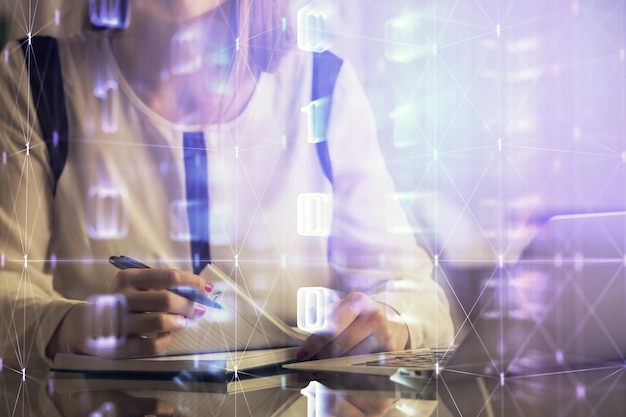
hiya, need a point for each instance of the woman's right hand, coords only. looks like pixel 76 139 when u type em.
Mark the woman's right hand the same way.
pixel 135 319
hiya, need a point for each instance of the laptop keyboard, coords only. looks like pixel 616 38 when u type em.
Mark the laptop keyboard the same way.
pixel 418 358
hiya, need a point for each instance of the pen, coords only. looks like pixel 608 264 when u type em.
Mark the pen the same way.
pixel 192 294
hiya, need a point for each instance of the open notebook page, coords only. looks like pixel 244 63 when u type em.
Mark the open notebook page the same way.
pixel 241 325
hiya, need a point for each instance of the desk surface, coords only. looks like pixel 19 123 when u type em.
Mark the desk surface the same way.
pixel 599 391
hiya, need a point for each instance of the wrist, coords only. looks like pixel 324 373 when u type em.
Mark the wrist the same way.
pixel 68 333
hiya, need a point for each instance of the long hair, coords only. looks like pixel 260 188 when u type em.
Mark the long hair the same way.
pixel 261 27
pixel 263 31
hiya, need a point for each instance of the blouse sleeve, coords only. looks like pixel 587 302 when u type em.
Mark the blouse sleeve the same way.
pixel 30 310
pixel 365 256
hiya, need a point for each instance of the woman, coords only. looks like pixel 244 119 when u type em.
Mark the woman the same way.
pixel 142 103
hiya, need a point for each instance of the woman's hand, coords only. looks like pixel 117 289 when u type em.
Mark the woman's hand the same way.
pixel 357 325
pixel 135 319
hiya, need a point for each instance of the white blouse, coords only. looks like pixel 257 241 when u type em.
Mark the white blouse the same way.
pixel 276 222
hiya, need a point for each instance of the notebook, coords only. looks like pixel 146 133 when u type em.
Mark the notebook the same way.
pixel 66 382
pixel 209 364
pixel 238 337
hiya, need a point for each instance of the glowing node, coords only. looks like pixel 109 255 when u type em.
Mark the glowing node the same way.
pixel 578 262
pixel 435 154
pixel 499 145
pixel 109 13
pixel 498 30
pixel 502 379
pixel 311 29
pixel 315 112
pixel 106 318
pixel 314 214
pixel 27 148
pixel 559 356
pixel 436 261
pixel 29 35
pixel 312 302
pixel 185 52
pixel 23 374
pixel 434 49
pixel 108 93
pixel 107 214
pixel 57 17
pixel 26 261
pixel 2 261
pixel 581 392
pixel 402 38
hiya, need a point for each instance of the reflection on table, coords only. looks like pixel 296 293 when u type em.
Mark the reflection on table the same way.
pixel 594 391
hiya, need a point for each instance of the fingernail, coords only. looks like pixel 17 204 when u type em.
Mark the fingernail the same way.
pixel 301 354
pixel 199 311
pixel 208 287
pixel 183 321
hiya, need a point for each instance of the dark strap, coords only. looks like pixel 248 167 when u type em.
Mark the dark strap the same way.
pixel 46 82
pixel 197 188
pixel 326 67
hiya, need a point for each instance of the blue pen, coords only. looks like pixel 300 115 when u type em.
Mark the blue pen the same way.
pixel 190 293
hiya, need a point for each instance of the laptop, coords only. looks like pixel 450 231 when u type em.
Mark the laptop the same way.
pixel 414 363
pixel 560 306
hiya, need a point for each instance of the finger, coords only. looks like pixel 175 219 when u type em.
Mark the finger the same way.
pixel 372 331
pixel 161 279
pixel 163 302
pixel 359 336
pixel 338 320
pixel 148 323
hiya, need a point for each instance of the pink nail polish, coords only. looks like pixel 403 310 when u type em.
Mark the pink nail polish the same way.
pixel 199 311
pixel 208 287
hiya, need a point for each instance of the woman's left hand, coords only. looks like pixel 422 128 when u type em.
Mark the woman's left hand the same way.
pixel 356 325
